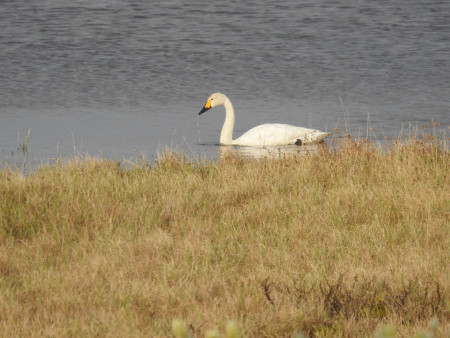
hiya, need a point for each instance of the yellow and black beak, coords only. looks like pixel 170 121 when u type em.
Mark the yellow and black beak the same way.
pixel 206 107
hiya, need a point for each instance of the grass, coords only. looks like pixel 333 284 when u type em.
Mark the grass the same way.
pixel 337 243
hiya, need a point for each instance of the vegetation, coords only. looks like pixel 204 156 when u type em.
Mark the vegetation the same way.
pixel 348 242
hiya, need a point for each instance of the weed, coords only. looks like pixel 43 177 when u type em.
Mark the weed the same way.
pixel 337 242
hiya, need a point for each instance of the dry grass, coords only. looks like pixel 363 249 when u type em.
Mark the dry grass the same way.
pixel 333 244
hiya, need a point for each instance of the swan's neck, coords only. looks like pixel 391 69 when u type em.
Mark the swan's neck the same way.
pixel 226 136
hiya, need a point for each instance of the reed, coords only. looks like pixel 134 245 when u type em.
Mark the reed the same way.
pixel 338 243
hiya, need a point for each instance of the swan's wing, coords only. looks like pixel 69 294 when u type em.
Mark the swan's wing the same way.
pixel 278 134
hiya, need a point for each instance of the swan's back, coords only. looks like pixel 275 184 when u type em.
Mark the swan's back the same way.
pixel 279 134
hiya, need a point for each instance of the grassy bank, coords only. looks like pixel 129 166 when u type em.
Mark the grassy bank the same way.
pixel 332 244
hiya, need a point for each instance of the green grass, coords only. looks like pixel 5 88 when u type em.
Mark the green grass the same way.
pixel 335 243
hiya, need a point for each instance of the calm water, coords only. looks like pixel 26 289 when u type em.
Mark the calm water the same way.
pixel 121 78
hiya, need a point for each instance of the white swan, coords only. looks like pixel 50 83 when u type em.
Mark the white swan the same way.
pixel 264 134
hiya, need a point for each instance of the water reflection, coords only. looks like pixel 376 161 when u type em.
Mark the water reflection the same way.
pixel 270 152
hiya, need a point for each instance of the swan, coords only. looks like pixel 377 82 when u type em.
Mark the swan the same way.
pixel 274 134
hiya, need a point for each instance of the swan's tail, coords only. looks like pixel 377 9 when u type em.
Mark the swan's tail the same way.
pixel 320 136
pixel 315 136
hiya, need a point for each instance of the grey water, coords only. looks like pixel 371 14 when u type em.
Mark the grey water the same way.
pixel 124 79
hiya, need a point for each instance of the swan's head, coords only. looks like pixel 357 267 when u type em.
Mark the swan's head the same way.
pixel 214 100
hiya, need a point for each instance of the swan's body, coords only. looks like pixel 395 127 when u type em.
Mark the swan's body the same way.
pixel 264 134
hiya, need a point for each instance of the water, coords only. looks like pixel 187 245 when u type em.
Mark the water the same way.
pixel 122 79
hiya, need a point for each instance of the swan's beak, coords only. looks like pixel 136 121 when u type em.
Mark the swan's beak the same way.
pixel 206 107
